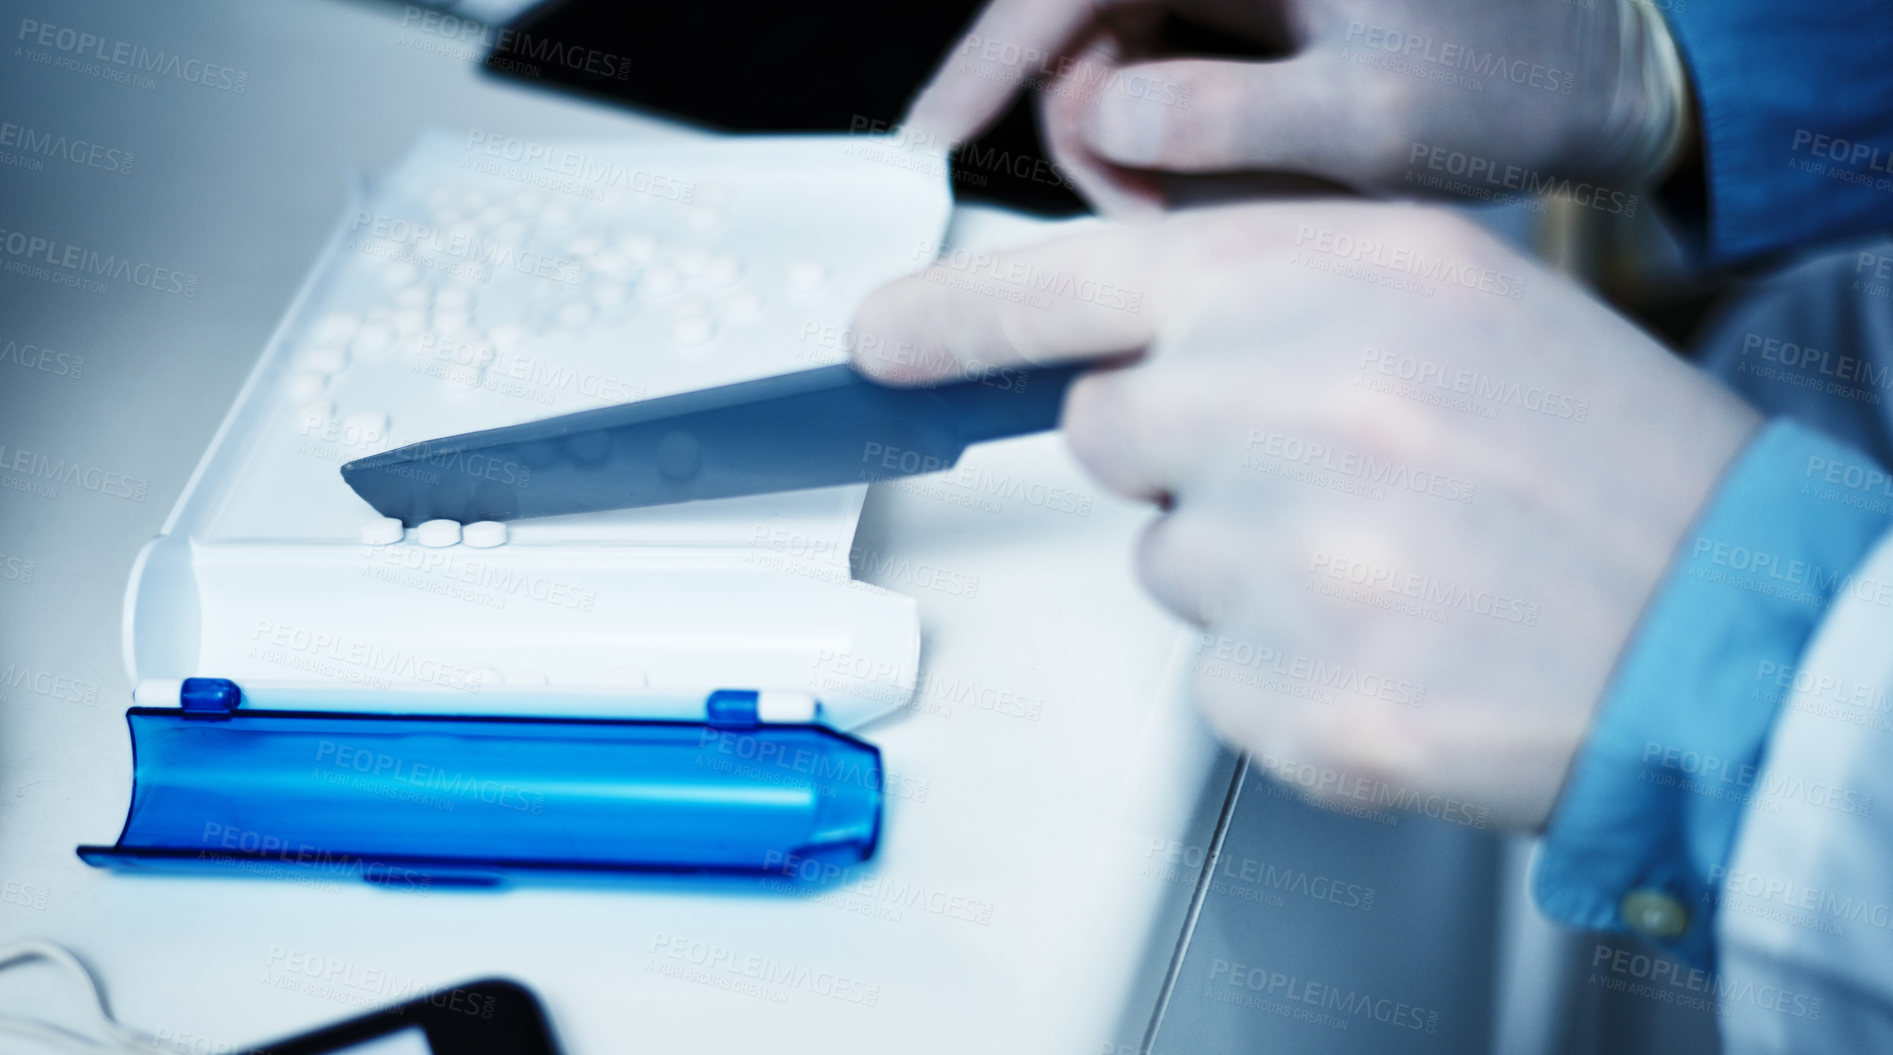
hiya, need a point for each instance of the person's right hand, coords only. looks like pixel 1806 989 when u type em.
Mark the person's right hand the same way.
pixel 1452 97
pixel 1417 490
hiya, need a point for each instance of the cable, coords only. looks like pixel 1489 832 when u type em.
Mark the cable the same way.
pixel 117 1038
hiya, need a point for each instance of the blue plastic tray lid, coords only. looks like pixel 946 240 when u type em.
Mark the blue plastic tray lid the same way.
pixel 458 798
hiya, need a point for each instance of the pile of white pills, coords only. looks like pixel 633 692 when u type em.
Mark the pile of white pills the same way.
pixel 674 269
pixel 436 534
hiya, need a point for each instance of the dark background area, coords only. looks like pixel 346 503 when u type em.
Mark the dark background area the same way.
pixel 766 66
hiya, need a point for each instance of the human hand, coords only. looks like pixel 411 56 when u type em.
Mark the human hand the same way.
pixel 1418 489
pixel 1454 97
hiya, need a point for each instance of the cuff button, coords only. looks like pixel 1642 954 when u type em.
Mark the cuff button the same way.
pixel 1654 914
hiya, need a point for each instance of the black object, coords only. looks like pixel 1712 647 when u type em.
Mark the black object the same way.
pixel 835 66
pixel 768 66
pixel 492 1016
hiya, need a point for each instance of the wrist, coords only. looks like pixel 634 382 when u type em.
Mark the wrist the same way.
pixel 1671 764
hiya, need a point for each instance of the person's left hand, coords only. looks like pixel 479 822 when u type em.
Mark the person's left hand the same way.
pixel 1418 489
pixel 1385 97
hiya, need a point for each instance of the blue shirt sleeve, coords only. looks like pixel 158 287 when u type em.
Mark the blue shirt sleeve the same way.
pixel 1650 810
pixel 1795 109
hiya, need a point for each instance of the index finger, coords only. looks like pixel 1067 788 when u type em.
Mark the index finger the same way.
pixel 1088 296
pixel 1010 42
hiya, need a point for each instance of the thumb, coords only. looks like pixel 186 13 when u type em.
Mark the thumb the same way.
pixel 1204 115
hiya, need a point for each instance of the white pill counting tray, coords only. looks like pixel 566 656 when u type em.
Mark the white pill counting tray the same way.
pixel 472 288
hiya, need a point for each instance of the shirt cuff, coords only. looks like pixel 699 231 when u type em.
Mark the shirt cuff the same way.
pixel 1787 159
pixel 1650 810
